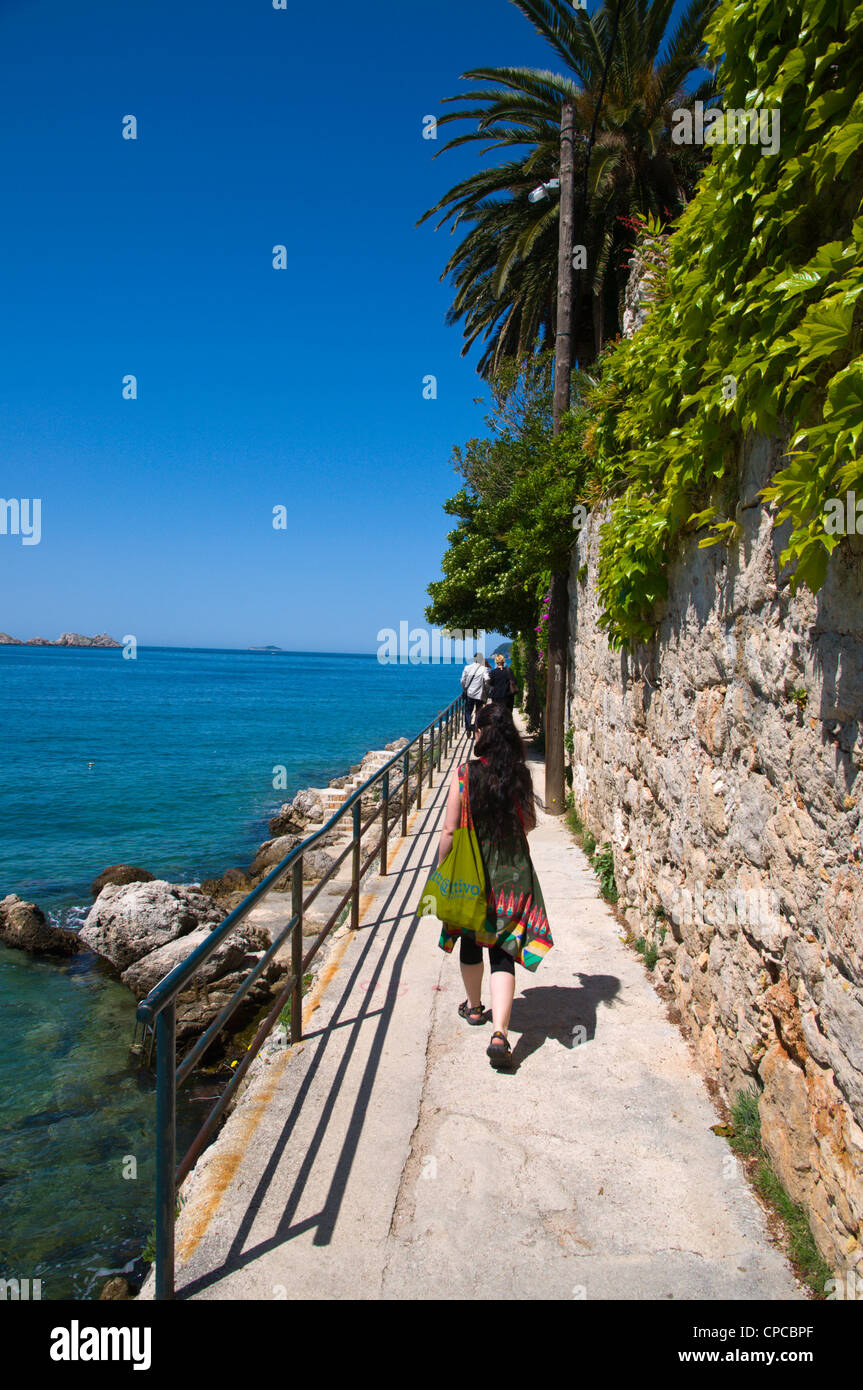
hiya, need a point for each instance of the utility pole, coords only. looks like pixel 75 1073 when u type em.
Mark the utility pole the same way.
pixel 558 610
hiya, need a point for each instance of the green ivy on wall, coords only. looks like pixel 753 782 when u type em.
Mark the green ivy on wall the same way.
pixel 756 323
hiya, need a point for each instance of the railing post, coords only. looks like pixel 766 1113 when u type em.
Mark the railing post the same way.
pixel 406 763
pixel 385 819
pixel 439 740
pixel 356 811
pixel 166 1148
pixel 431 754
pixel 297 950
pixel 420 776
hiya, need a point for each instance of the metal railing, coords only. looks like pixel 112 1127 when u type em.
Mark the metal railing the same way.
pixel 159 1009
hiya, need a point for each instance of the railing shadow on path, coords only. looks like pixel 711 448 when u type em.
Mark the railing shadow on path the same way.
pixel 414 871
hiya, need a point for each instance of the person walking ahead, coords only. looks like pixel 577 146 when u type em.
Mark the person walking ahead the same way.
pixel 502 685
pixel 516 930
pixel 474 683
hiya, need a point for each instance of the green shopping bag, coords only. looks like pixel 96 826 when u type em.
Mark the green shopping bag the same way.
pixel 456 890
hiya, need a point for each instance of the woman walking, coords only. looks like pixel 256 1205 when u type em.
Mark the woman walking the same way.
pixel 501 683
pixel 500 804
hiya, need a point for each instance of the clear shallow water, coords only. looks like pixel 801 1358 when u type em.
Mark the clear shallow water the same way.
pixel 184 744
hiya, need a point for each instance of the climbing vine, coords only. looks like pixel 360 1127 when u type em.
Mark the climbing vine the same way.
pixel 756 322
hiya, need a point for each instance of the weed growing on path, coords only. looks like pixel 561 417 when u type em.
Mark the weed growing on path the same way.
pixel 602 863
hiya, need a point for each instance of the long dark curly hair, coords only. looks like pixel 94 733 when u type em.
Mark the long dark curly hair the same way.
pixel 502 779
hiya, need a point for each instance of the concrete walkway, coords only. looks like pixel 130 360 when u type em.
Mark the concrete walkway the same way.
pixel 383 1158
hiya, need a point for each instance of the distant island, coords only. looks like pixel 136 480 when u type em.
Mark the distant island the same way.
pixel 68 639
pixel 265 649
pixel 505 649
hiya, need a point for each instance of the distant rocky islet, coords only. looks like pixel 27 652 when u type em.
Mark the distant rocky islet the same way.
pixel 66 639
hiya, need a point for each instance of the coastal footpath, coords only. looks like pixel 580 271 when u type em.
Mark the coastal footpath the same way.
pixel 383 1158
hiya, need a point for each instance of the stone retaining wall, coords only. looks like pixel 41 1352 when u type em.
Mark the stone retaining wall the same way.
pixel 722 761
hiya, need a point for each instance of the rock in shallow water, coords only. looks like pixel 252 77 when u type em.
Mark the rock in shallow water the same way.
pixel 119 873
pixel 116 1288
pixel 24 926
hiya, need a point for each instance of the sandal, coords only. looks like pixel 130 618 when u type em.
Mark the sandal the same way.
pixel 474 1013
pixel 500 1052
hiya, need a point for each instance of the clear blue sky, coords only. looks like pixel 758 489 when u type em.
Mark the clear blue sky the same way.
pixel 256 387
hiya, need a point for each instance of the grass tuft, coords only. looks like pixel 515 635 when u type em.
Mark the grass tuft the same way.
pixel 802 1250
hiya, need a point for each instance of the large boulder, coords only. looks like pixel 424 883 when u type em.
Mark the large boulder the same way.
pixel 316 862
pixel 147 929
pixel 24 926
pixel 285 822
pixel 239 952
pixel 233 883
pixel 212 986
pixel 117 1287
pixel 271 852
pixel 128 921
pixel 117 874
pixel 307 808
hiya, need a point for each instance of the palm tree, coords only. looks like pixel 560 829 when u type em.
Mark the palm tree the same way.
pixel 505 269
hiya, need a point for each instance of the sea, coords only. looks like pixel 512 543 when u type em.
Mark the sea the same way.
pixel 173 761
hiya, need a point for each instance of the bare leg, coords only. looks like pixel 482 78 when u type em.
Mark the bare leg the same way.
pixel 502 992
pixel 472 976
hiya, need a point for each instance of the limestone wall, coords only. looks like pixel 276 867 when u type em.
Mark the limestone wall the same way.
pixel 732 802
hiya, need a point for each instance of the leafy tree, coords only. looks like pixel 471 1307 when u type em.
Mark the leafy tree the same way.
pixel 515 513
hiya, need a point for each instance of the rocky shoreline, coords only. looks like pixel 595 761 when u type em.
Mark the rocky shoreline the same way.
pixel 143 927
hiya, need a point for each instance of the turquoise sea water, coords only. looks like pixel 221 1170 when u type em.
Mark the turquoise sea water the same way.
pixel 184 747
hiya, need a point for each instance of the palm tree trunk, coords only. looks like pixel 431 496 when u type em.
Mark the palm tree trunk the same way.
pixel 558 626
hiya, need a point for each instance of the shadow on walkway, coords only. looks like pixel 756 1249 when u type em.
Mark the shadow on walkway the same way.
pixel 400 932
pixel 554 1011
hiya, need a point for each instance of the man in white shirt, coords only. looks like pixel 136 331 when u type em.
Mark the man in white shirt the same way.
pixel 475 680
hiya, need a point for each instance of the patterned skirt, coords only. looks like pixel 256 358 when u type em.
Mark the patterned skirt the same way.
pixel 516 920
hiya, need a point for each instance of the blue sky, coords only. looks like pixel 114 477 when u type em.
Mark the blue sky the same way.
pixel 256 387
